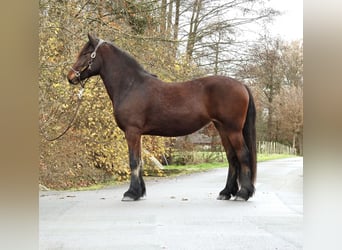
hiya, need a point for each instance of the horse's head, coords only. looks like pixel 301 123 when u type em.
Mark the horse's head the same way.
pixel 87 63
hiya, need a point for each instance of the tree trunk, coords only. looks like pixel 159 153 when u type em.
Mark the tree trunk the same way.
pixel 163 11
pixel 169 19
pixel 176 25
pixel 294 140
pixel 270 128
pixel 194 23
pixel 176 29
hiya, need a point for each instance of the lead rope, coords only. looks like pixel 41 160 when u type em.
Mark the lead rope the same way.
pixel 80 94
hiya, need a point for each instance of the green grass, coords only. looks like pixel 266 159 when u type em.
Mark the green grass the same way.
pixel 268 157
pixel 171 170
pixel 191 168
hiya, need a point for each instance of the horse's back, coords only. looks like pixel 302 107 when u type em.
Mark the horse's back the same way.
pixel 226 100
pixel 219 86
pixel 218 89
pixel 222 83
pixel 210 93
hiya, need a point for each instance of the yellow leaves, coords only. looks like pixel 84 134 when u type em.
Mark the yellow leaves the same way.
pixel 71 173
pixel 94 141
pixel 115 26
pixel 56 30
pixel 177 67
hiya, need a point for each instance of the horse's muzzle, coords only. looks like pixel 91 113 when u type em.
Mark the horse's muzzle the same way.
pixel 72 78
pixel 73 81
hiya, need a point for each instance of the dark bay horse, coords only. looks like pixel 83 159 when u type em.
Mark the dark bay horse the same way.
pixel 145 105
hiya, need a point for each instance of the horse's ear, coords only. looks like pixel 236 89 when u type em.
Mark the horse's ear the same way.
pixel 92 39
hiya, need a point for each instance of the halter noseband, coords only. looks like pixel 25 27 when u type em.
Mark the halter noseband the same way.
pixel 90 62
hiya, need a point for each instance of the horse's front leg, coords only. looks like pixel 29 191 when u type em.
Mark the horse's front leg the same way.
pixel 137 186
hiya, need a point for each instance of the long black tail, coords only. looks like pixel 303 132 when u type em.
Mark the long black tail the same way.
pixel 249 134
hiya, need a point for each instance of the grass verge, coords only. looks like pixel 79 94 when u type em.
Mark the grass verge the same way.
pixel 171 170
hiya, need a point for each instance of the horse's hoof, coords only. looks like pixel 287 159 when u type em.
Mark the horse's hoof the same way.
pixel 127 198
pixel 242 195
pixel 223 197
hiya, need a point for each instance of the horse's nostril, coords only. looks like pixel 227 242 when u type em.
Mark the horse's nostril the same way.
pixel 72 79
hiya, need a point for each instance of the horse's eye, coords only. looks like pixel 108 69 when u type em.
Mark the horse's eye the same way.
pixel 86 52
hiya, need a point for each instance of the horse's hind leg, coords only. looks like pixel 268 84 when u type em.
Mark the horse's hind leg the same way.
pixel 244 173
pixel 231 187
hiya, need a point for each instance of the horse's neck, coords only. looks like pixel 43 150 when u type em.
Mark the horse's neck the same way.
pixel 117 83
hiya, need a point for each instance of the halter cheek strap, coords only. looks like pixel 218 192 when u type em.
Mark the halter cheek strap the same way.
pixel 93 55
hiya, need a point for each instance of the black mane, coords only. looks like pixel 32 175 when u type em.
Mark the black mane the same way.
pixel 131 61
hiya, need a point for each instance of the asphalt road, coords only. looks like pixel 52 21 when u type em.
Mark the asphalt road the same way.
pixel 180 213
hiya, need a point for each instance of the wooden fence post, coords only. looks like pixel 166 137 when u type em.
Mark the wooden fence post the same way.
pixel 265 147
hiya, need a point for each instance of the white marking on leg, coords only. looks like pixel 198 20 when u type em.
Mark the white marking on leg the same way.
pixel 136 171
pixel 126 198
pixel 238 198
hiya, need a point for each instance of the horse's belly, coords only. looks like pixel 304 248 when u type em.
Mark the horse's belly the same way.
pixel 176 127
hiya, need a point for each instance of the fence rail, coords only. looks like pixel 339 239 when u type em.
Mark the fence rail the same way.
pixel 266 147
pixel 206 153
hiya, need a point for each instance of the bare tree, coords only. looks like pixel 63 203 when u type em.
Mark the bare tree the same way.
pixel 289 102
pixel 176 23
pixel 275 70
pixel 264 69
pixel 163 11
pixel 193 35
pixel 289 116
pixel 217 21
